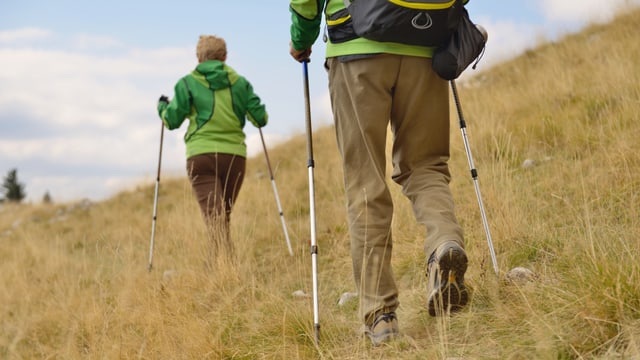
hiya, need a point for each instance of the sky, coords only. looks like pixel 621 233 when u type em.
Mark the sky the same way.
pixel 80 80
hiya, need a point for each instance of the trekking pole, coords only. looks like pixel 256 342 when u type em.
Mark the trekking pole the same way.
pixel 474 175
pixel 155 200
pixel 275 192
pixel 312 211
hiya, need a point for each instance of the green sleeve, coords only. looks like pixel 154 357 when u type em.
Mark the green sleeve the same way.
pixel 175 112
pixel 306 16
pixel 256 110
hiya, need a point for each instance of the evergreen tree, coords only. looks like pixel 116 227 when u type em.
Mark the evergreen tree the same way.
pixel 13 189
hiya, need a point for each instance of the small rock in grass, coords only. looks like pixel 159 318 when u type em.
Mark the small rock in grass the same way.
pixel 300 293
pixel 169 274
pixel 345 297
pixel 520 275
pixel 528 163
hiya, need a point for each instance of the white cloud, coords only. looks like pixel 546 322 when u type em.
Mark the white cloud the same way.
pixel 97 113
pixel 83 90
pixel 87 41
pixel 581 11
pixel 506 40
pixel 92 111
pixel 21 36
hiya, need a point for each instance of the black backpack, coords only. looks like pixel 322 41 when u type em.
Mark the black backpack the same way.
pixel 443 24
pixel 413 22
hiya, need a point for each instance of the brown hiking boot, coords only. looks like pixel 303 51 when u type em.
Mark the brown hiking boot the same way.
pixel 384 327
pixel 445 287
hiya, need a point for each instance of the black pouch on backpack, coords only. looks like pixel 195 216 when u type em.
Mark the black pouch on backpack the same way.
pixel 413 22
pixel 465 46
pixel 340 27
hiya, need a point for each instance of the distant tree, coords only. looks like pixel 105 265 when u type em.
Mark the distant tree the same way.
pixel 47 198
pixel 13 189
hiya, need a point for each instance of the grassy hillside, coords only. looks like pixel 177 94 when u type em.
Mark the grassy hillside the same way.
pixel 75 280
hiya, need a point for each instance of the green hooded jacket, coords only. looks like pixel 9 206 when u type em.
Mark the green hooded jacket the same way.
pixel 217 101
pixel 306 17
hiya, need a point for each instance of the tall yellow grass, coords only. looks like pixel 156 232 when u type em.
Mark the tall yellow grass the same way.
pixel 75 283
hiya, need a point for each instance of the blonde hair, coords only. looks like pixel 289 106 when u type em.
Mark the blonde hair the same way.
pixel 211 48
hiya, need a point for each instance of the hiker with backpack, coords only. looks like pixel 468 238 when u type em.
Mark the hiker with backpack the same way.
pixel 217 101
pixel 376 78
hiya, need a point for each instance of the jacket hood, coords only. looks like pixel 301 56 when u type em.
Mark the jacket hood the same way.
pixel 217 74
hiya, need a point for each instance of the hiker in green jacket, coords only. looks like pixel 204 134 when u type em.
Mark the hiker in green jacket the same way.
pixel 373 84
pixel 217 101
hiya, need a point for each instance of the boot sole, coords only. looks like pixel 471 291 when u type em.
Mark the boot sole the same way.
pixel 452 295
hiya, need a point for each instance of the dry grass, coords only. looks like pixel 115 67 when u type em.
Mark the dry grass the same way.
pixel 76 284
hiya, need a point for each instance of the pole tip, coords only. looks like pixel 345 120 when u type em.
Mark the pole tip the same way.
pixel 317 333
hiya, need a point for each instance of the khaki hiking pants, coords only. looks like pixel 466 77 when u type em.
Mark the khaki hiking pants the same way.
pixel 216 180
pixel 367 95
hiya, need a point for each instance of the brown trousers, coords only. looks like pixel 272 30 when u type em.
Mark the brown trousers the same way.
pixel 216 180
pixel 367 95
